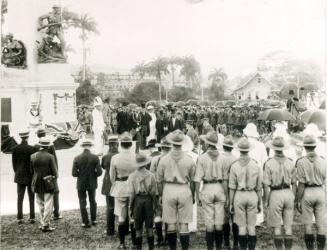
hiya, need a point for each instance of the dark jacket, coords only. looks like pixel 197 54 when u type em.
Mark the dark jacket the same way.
pixel 161 123
pixel 179 124
pixel 43 164
pixel 105 164
pixel 21 162
pixel 87 169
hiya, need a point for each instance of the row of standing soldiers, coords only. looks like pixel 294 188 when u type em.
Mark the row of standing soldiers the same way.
pixel 229 190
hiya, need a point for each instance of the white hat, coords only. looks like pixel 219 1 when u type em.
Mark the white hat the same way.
pixel 251 130
pixel 97 101
pixel 312 129
pixel 150 107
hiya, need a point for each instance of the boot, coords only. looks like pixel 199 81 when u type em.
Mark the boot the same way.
pixel 133 234
pixel 321 241
pixel 121 232
pixel 218 239
pixel 171 237
pixel 243 240
pixel 252 242
pixel 151 242
pixel 138 243
pixel 185 241
pixel 226 232
pixel 158 226
pixel 209 240
pixel 309 241
pixel 288 242
pixel 278 243
pixel 235 236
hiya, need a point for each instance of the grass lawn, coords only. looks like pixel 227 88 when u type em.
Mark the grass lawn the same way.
pixel 70 235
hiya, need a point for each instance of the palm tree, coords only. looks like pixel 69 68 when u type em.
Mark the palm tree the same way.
pixel 218 76
pixel 190 69
pixel 87 25
pixel 141 69
pixel 173 62
pixel 157 68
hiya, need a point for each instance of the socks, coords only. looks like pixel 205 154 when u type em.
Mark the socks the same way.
pixel 321 241
pixel 309 241
pixel 133 234
pixel 171 237
pixel 121 232
pixel 278 240
pixel 138 243
pixel 218 239
pixel 252 241
pixel 235 234
pixel 151 242
pixel 185 240
pixel 158 226
pixel 243 240
pixel 209 240
pixel 288 242
pixel 226 232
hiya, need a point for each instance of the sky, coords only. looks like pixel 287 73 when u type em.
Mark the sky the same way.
pixel 232 34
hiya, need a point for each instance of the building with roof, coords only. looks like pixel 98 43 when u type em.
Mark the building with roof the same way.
pixel 256 87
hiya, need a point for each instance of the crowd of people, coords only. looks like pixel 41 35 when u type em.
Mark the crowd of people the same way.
pixel 163 165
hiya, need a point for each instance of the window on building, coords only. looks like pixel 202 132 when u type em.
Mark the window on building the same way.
pixel 5 109
pixel 259 79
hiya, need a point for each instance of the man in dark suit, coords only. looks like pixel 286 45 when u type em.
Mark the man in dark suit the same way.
pixel 161 126
pixel 176 122
pixel 106 184
pixel 21 162
pixel 87 169
pixel 51 150
pixel 45 170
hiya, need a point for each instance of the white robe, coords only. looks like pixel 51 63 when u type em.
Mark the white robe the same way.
pixel 98 129
pixel 152 124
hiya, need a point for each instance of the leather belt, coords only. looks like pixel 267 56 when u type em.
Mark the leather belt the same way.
pixel 212 181
pixel 312 185
pixel 280 187
pixel 243 189
pixel 122 179
pixel 142 194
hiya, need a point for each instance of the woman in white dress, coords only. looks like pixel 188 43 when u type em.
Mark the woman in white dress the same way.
pixel 152 135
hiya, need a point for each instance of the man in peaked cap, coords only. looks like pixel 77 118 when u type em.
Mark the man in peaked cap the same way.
pixel 245 188
pixel 143 191
pixel 106 184
pixel 87 169
pixel 229 158
pixel 21 162
pixel 122 165
pixel 175 184
pixel 165 147
pixel 215 190
pixel 278 178
pixel 311 175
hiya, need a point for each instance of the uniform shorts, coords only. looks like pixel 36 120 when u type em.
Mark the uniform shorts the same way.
pixel 314 203
pixel 213 200
pixel 121 207
pixel 143 212
pixel 246 208
pixel 281 208
pixel 177 203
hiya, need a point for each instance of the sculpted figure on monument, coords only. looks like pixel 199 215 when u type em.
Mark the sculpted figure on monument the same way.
pixel 13 52
pixel 49 49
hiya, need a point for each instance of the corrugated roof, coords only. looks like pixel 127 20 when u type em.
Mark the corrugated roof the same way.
pixel 251 78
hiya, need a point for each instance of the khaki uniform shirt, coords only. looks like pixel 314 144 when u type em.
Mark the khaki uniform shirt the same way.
pixel 176 167
pixel 142 181
pixel 228 159
pixel 245 174
pixel 278 171
pixel 210 167
pixel 122 165
pixel 311 169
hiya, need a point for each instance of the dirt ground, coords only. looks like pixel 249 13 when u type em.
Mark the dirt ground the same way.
pixel 70 235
